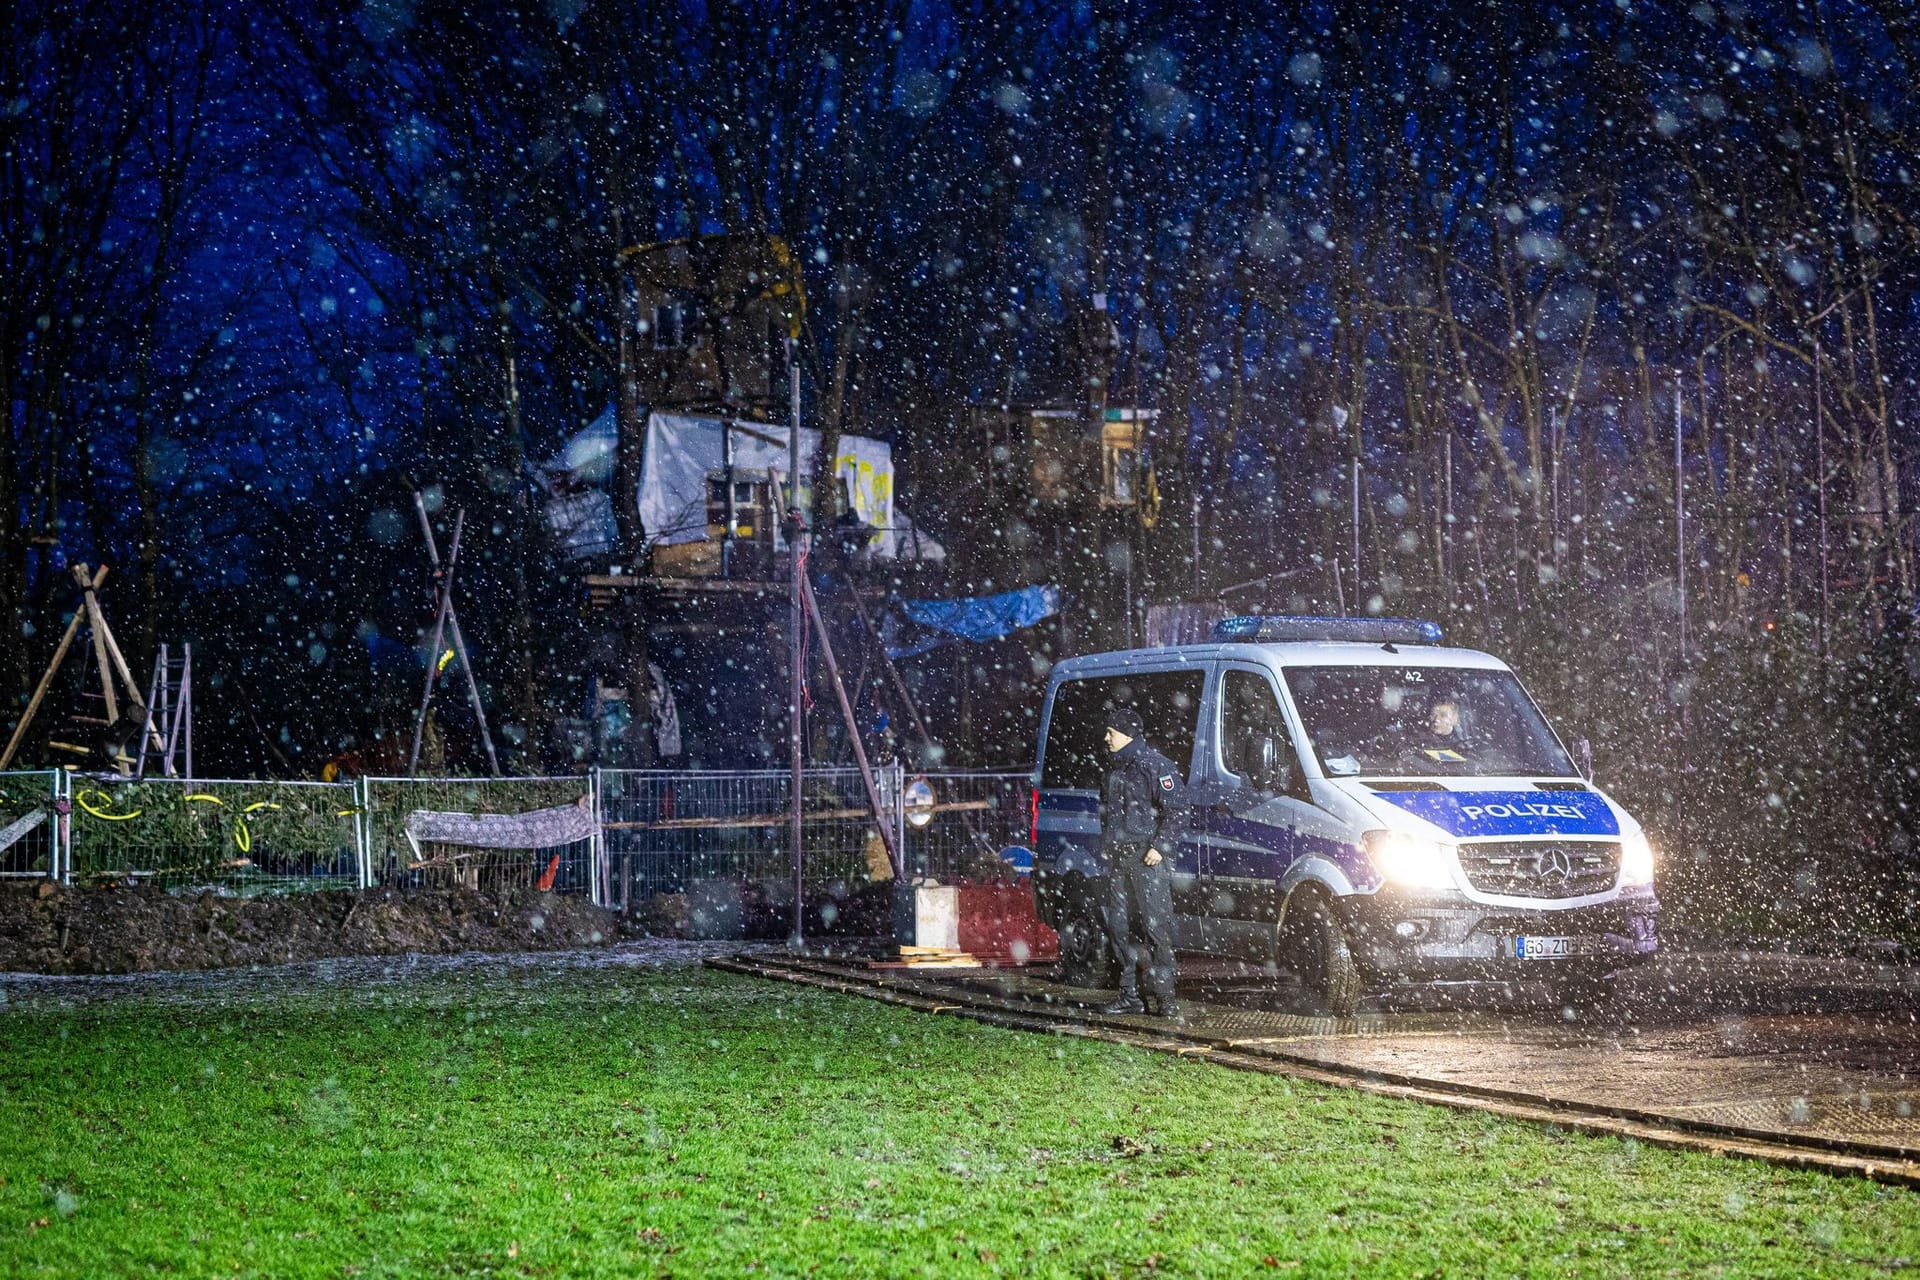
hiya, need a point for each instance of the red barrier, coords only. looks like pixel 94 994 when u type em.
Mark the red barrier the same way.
pixel 998 924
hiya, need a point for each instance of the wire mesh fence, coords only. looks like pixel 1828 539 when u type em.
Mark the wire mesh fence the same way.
pixel 239 835
pixel 959 824
pixel 32 807
pixel 620 836
pixel 669 830
pixel 483 833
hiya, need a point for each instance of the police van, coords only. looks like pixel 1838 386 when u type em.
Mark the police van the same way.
pixel 1369 807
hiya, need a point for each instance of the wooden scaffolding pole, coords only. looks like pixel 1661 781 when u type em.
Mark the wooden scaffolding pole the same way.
pixel 880 818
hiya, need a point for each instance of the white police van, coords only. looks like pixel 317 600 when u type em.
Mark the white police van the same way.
pixel 1369 808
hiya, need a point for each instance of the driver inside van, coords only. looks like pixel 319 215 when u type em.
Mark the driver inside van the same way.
pixel 1445 737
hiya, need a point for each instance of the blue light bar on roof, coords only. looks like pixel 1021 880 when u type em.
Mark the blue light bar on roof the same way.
pixel 1276 629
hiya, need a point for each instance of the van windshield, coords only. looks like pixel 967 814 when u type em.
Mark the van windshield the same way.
pixel 1423 722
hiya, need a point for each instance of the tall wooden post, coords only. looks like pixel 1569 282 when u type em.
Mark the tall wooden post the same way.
pixel 796 641
pixel 1679 522
pixel 1820 479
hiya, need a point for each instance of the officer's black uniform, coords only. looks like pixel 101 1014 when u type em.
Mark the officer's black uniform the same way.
pixel 1145 806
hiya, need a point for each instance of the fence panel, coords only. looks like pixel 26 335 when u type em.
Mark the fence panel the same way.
pixel 245 836
pixel 667 830
pixel 395 858
pixel 30 826
pixel 972 817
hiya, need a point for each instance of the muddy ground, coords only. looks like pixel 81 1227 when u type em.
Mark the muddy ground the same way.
pixel 46 928
pixel 50 928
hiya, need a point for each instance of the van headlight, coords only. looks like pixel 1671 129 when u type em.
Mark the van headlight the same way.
pixel 1636 859
pixel 1411 860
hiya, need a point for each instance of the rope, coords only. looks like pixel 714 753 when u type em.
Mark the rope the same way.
pixel 242 832
pixel 806 644
pixel 80 798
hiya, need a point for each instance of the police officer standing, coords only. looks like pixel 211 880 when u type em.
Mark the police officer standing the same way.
pixel 1144 808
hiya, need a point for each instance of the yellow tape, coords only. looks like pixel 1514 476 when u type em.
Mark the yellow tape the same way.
pixel 445 658
pixel 80 798
pixel 204 797
pixel 260 804
pixel 242 838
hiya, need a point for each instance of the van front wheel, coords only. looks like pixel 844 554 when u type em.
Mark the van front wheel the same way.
pixel 1590 997
pixel 1315 947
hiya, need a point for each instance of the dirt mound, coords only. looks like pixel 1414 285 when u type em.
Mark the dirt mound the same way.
pixel 47 928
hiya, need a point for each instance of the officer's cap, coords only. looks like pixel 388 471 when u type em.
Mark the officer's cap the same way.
pixel 1126 720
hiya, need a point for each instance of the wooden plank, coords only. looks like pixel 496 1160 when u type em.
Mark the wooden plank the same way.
pixel 957 963
pixel 668 582
pixel 40 691
pixel 120 662
pixel 697 586
pixel 98 625
pixel 778 819
pixel 126 672
pixel 748 820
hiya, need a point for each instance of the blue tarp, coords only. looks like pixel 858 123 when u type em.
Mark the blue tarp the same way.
pixel 975 618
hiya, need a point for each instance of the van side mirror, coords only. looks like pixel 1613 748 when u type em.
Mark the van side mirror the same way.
pixel 1266 767
pixel 1583 756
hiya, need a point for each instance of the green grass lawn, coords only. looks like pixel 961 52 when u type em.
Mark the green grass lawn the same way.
pixel 515 1121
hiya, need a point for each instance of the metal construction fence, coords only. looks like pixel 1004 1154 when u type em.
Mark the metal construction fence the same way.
pixel 245 836
pixel 666 830
pixel 33 810
pixel 401 851
pixel 958 825
pixel 618 836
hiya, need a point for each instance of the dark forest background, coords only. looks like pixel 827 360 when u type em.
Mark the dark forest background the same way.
pixel 1530 269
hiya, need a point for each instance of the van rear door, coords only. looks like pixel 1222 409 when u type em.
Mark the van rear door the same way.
pixel 1074 761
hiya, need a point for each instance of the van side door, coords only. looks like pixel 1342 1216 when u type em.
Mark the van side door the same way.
pixel 1256 806
pixel 1074 760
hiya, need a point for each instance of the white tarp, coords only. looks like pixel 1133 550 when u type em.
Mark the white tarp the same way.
pixel 16 830
pixel 582 523
pixel 587 456
pixel 578 510
pixel 666 712
pixel 681 452
pixel 538 829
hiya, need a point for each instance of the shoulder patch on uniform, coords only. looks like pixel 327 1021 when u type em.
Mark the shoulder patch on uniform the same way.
pixel 1166 782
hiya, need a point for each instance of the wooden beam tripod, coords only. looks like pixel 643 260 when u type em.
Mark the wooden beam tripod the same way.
pixel 446 622
pixel 112 663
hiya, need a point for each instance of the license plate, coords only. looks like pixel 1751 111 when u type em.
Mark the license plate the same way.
pixel 1536 947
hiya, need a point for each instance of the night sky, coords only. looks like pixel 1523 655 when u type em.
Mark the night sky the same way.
pixel 268 268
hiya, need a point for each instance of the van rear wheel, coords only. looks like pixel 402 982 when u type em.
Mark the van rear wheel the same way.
pixel 1085 958
pixel 1315 947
